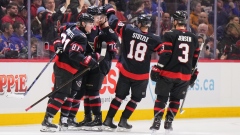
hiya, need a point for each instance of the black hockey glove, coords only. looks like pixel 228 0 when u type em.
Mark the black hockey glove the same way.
pixel 193 78
pixel 155 73
pixel 58 46
pixel 90 62
pixel 96 56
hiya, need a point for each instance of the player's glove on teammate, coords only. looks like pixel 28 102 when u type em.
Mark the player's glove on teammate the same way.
pixel 155 73
pixel 193 78
pixel 58 46
pixel 90 62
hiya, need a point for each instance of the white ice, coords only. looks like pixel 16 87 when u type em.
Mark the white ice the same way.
pixel 218 126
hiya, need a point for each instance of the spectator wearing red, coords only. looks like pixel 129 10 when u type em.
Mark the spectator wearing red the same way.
pixel 118 13
pixel 12 14
pixel 34 6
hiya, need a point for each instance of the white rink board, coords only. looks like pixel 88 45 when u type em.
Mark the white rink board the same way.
pixel 217 86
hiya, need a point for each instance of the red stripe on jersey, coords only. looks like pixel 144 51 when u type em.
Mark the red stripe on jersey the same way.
pixel 97 104
pixel 132 75
pixel 76 101
pixel 53 106
pixel 175 102
pixel 69 17
pixel 66 66
pixel 195 55
pixel 66 108
pixel 159 46
pixel 114 107
pixel 130 108
pixel 167 43
pixel 169 74
pixel 173 109
pixel 165 51
pixel 86 104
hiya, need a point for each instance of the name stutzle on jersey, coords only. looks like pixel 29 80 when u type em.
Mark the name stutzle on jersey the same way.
pixel 185 38
pixel 140 37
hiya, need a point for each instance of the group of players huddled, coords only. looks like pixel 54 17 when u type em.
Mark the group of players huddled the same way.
pixel 79 47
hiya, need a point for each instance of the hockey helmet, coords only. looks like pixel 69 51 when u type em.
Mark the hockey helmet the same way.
pixel 181 17
pixel 85 17
pixel 93 10
pixel 145 20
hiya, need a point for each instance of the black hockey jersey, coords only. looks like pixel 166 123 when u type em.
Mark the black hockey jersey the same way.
pixel 136 49
pixel 179 54
pixel 74 45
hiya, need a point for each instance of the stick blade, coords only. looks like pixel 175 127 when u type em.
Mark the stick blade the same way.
pixel 182 111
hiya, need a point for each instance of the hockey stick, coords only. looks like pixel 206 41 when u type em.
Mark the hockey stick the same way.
pixel 21 96
pixel 103 53
pixel 181 108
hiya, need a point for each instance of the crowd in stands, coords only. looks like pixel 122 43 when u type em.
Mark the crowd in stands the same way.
pixel 48 15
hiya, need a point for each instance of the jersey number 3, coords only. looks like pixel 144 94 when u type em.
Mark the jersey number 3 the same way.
pixel 139 53
pixel 185 52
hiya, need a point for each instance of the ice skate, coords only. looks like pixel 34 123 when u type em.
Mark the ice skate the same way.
pixel 72 124
pixel 156 124
pixel 47 125
pixel 63 124
pixel 108 125
pixel 95 125
pixel 168 125
pixel 87 118
pixel 123 126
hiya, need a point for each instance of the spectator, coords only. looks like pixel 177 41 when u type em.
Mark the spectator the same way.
pixel 221 29
pixel 202 30
pixel 166 24
pixel 222 16
pixel 203 18
pixel 150 7
pixel 36 25
pixel 34 44
pixel 208 49
pixel 196 10
pixel 34 6
pixel 3 4
pixel 17 37
pixel 50 21
pixel 163 5
pixel 23 14
pixel 135 8
pixel 6 45
pixel 182 5
pixel 12 14
pixel 228 47
pixel 231 8
pixel 119 14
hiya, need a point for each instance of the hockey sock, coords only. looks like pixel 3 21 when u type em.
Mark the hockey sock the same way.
pixel 173 107
pixel 54 105
pixel 114 106
pixel 95 102
pixel 159 106
pixel 87 108
pixel 76 103
pixel 65 109
pixel 130 107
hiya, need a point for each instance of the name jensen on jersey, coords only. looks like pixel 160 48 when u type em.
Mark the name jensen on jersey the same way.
pixel 140 37
pixel 185 38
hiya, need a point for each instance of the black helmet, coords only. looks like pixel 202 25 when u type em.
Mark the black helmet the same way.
pixel 145 20
pixel 85 17
pixel 93 10
pixel 181 17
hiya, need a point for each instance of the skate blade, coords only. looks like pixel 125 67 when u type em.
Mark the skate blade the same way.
pixel 48 129
pixel 73 128
pixel 94 128
pixel 154 131
pixel 108 129
pixel 63 128
pixel 122 129
pixel 168 131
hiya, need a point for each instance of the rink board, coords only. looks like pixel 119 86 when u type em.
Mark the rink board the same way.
pixel 215 94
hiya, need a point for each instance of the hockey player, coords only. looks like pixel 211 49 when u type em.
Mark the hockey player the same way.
pixel 71 59
pixel 133 64
pixel 92 81
pixel 173 72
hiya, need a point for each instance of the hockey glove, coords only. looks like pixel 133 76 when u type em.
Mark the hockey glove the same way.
pixel 90 62
pixel 155 73
pixel 58 46
pixel 96 56
pixel 193 77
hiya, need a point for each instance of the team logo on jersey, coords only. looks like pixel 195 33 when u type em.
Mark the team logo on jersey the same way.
pixel 79 83
pixel 91 44
pixel 83 35
pixel 121 24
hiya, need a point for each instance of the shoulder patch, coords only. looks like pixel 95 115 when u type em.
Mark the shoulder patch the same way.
pixel 121 24
pixel 83 35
